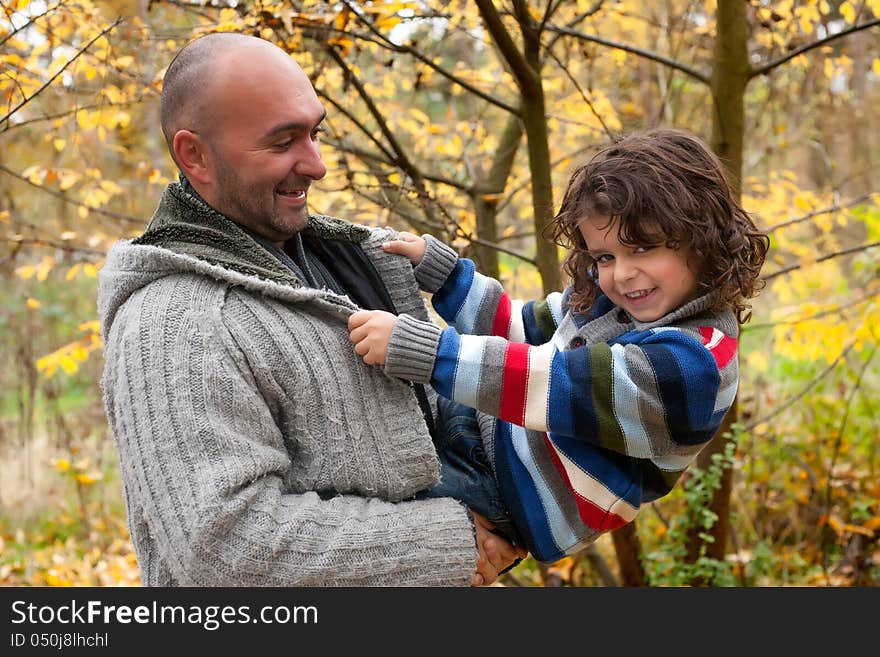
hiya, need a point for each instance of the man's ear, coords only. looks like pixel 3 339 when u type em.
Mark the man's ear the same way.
pixel 192 158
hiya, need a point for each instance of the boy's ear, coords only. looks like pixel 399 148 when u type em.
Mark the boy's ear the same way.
pixel 191 155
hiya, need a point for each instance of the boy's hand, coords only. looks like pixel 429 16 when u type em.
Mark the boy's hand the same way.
pixel 494 553
pixel 412 246
pixel 370 331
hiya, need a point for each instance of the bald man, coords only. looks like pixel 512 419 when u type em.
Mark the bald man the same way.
pixel 255 447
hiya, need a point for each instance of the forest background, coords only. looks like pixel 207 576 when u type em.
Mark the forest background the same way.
pixel 464 119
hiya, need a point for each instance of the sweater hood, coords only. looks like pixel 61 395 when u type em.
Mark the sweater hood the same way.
pixel 186 236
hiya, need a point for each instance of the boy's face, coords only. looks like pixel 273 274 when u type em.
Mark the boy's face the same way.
pixel 647 280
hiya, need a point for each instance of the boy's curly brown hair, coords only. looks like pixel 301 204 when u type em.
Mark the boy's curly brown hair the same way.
pixel 663 186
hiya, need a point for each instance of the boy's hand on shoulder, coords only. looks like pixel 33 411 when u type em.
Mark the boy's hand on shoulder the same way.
pixel 370 331
pixel 407 244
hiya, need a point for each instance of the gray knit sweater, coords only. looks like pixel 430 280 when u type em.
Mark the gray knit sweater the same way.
pixel 255 447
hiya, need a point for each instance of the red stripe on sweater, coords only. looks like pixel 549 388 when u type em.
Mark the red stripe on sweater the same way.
pixel 514 383
pixel 501 323
pixel 592 515
pixel 721 346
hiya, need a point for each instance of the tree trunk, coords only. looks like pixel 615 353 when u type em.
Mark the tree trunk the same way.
pixel 628 548
pixel 485 202
pixel 730 75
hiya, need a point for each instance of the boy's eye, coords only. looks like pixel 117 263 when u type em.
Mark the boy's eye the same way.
pixel 603 259
pixel 644 248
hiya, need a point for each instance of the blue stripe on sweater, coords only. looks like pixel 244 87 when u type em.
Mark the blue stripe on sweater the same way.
pixel 534 335
pixel 688 380
pixel 580 415
pixel 560 399
pixel 448 300
pixel 523 500
pixel 446 363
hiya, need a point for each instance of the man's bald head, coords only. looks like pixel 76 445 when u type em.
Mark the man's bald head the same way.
pixel 188 85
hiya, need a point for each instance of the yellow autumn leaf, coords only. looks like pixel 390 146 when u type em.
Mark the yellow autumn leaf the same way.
pixel 32 303
pixel 94 326
pixel 54 580
pixel 79 353
pixel 563 568
pixel 61 465
pixel 807 259
pixel 25 272
pixel 856 529
pixel 4 216
pixel 758 361
pixel 67 179
pixel 110 187
pixel 419 115
pixel 59 144
pixel 45 266
pixel 68 364
pixel 34 174
pixel 87 478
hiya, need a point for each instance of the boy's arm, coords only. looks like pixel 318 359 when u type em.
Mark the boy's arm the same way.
pixel 476 304
pixel 662 398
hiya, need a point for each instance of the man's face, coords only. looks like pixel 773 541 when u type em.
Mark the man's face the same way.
pixel 263 143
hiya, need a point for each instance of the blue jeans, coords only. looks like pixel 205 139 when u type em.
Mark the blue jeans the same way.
pixel 465 472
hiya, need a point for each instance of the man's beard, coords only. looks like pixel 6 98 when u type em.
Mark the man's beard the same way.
pixel 237 203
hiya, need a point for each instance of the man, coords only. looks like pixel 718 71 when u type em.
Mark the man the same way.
pixel 255 447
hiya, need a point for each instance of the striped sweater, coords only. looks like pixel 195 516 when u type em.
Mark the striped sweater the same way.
pixel 587 416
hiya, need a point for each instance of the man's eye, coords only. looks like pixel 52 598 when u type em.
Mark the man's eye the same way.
pixel 283 145
pixel 317 132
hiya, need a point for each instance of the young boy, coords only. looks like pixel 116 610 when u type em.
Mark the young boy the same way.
pixel 592 401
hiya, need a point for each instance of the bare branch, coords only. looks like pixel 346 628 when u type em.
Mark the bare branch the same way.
pixel 766 68
pixel 830 256
pixel 584 96
pixel 64 197
pixel 819 315
pixel 817 213
pixel 514 58
pixel 646 54
pixel 62 246
pixel 791 402
pixel 79 108
pixel 30 21
pixel 409 50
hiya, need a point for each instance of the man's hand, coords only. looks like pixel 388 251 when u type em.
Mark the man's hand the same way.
pixel 412 246
pixel 370 331
pixel 494 552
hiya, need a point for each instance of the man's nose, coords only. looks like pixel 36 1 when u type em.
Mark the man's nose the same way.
pixel 309 163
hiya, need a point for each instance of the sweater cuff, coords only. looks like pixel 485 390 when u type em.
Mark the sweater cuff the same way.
pixel 412 349
pixel 436 265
